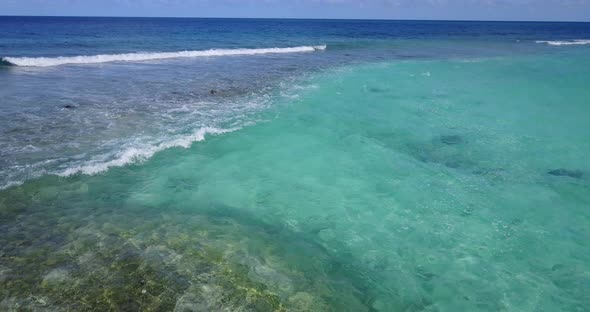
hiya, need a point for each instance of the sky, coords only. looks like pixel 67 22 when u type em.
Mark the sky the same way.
pixel 536 10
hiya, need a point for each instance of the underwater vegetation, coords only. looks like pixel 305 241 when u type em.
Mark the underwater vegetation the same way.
pixel 71 259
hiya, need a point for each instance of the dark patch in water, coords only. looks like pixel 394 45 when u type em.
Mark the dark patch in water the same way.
pixel 376 90
pixel 557 267
pixel 431 152
pixel 406 56
pixel 69 106
pixel 467 212
pixel 223 214
pixel 425 275
pixel 453 164
pixel 489 171
pixel 577 174
pixel 337 265
pixel 229 92
pixel 4 62
pixel 451 139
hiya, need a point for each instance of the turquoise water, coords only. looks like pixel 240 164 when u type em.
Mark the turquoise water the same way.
pixel 402 186
pixel 429 184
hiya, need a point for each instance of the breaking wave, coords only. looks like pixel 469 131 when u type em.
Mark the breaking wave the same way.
pixel 565 42
pixel 147 56
pixel 138 154
pixel 128 155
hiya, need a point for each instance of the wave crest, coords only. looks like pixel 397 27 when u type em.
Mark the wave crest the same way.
pixel 565 42
pixel 145 56
pixel 138 154
pixel 128 155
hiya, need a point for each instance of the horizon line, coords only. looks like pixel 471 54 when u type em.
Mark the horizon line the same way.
pixel 306 18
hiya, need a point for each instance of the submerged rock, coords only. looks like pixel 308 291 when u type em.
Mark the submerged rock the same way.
pixel 577 174
pixel 489 171
pixel 467 212
pixel 451 139
pixel 425 275
pixel 558 266
pixel 376 90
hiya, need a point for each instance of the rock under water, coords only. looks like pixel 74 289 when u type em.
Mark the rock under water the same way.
pixel 577 174
pixel 376 90
pixel 451 139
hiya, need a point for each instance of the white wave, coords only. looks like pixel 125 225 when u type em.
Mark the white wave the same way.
pixel 145 56
pixel 142 153
pixel 129 155
pixel 566 42
pixel 10 184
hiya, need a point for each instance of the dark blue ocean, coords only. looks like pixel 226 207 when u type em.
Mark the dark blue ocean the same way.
pixel 175 164
pixel 72 36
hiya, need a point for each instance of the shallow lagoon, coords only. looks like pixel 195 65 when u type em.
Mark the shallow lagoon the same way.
pixel 397 186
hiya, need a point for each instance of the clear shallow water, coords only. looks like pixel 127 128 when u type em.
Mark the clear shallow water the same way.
pixel 435 173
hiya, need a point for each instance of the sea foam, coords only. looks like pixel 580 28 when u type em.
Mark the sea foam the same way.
pixel 142 153
pixel 147 56
pixel 565 42
pixel 128 155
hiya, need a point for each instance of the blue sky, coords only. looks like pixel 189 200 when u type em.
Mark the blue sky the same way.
pixel 566 10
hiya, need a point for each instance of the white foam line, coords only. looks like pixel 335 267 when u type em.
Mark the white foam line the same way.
pixel 566 42
pixel 145 56
pixel 128 156
pixel 138 154
pixel 10 184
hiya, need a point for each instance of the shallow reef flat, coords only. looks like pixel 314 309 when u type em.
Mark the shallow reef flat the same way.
pixel 413 185
pixel 60 258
